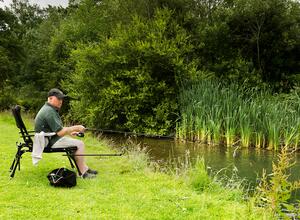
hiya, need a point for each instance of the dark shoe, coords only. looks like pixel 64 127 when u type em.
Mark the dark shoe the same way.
pixel 90 171
pixel 87 175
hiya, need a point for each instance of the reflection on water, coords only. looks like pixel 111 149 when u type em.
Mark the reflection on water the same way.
pixel 247 162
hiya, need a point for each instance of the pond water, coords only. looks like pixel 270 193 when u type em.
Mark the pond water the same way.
pixel 246 163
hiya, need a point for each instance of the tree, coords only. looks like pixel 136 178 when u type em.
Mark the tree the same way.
pixel 266 33
pixel 27 38
pixel 133 76
pixel 10 45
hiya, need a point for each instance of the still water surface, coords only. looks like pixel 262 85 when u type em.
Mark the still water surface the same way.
pixel 247 163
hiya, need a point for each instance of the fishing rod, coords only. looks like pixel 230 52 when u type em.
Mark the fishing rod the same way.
pixel 81 134
pixel 97 155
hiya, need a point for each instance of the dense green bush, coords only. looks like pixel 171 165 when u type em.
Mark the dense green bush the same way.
pixel 130 81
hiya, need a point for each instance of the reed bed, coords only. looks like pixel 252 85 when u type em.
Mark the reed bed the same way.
pixel 214 113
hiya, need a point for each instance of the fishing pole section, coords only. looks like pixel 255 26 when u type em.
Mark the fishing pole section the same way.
pixel 98 155
pixel 81 134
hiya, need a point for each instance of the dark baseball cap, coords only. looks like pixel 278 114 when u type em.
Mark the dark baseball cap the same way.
pixel 56 92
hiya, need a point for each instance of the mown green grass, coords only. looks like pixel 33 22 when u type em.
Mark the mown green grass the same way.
pixel 126 188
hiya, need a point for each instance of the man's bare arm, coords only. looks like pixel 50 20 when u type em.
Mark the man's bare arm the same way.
pixel 70 130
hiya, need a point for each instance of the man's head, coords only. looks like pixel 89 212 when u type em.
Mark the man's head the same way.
pixel 55 97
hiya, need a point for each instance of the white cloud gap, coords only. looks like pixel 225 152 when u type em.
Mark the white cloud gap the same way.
pixel 41 3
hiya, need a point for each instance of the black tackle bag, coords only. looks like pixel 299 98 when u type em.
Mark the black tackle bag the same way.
pixel 62 177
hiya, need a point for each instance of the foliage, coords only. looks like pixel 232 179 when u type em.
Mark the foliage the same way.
pixel 30 30
pixel 133 76
pixel 6 97
pixel 264 35
pixel 10 48
pixel 216 112
pixel 139 73
pixel 268 31
pixel 274 190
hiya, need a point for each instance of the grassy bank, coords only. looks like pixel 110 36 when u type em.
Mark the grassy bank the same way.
pixel 126 188
pixel 214 113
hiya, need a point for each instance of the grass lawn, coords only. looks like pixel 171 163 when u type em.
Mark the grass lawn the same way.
pixel 125 188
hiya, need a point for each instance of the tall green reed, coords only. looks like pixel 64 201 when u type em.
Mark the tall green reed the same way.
pixel 213 113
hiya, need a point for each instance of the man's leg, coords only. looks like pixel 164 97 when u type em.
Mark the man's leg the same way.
pixel 65 142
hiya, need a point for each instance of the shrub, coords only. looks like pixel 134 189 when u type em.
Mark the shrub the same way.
pixel 129 82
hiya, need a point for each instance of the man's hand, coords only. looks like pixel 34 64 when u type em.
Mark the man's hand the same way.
pixel 71 130
pixel 79 128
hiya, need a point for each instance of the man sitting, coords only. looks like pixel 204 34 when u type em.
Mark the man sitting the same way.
pixel 48 120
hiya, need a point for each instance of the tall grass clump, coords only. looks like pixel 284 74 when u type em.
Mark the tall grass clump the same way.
pixel 198 177
pixel 213 112
pixel 138 157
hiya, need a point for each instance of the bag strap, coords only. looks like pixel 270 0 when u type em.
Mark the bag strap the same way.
pixel 53 175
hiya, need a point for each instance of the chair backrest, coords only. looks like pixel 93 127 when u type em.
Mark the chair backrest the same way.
pixel 20 124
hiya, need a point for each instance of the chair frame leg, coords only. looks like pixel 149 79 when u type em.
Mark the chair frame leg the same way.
pixel 71 157
pixel 71 162
pixel 17 160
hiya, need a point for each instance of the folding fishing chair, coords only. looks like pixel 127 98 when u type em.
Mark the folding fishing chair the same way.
pixel 27 144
